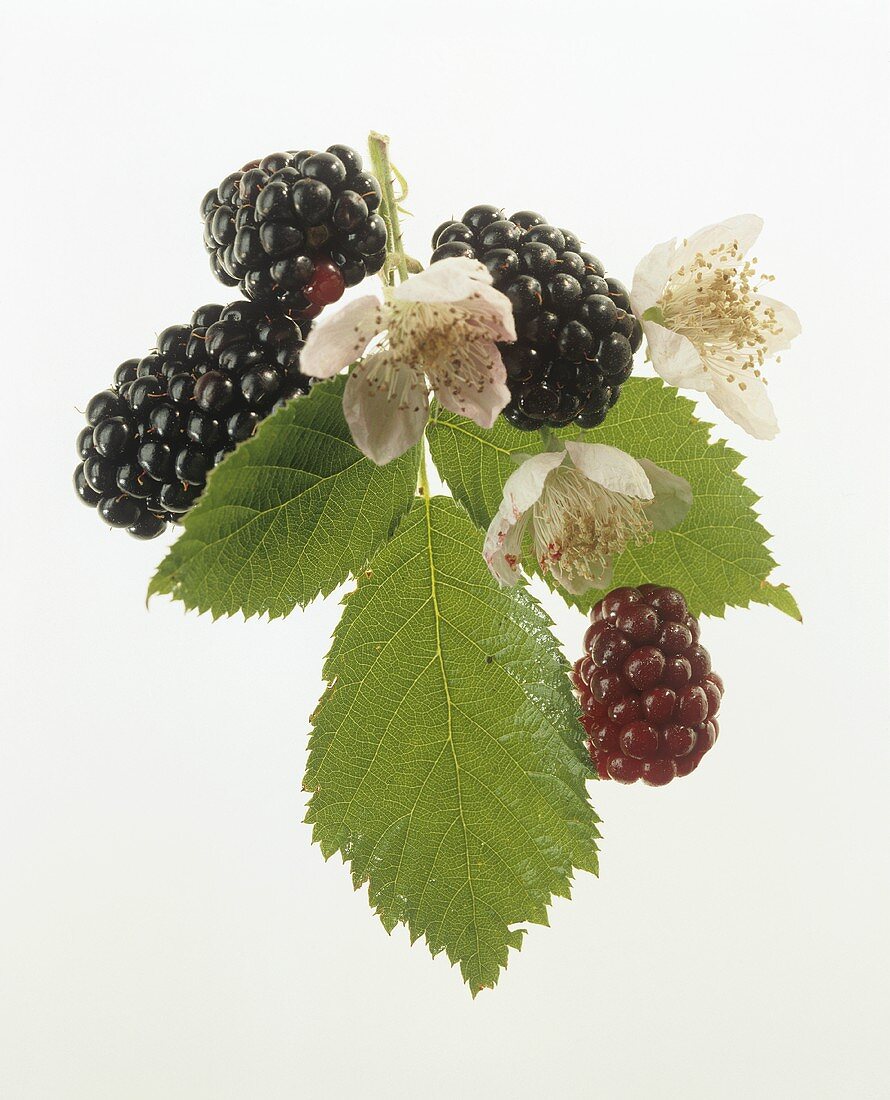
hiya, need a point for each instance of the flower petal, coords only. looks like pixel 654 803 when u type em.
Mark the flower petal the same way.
pixel 338 342
pixel 449 280
pixel 787 319
pixel 750 408
pixel 673 496
pixel 610 467
pixel 503 549
pixel 524 486
pixel 467 284
pixel 651 276
pixel 744 228
pixel 675 357
pixel 492 311
pixel 481 403
pixel 385 426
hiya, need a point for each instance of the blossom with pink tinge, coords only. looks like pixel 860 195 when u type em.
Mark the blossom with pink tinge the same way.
pixel 580 507
pixel 440 332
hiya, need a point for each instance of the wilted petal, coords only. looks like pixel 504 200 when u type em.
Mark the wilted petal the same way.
pixel 675 358
pixel 750 407
pixel 502 548
pixel 483 402
pixel 673 496
pixel 386 405
pixel 651 276
pixel 340 341
pixel 610 467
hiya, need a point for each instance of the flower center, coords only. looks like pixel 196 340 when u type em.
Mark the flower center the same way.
pixel 581 526
pixel 389 378
pixel 714 302
pixel 444 340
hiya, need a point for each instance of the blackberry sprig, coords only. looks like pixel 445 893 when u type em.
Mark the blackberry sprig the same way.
pixel 296 228
pixel 168 419
pixel 576 331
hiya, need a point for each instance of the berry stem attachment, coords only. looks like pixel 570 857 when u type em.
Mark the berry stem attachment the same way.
pixel 396 259
pixel 549 439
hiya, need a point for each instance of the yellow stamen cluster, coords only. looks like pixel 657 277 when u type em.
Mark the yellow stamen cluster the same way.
pixel 448 343
pixel 580 525
pixel 714 302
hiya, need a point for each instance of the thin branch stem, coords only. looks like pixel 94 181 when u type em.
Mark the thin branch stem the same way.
pixel 396 260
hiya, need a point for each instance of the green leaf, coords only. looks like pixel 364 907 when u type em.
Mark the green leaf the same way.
pixel 778 595
pixel 447 764
pixel 288 516
pixel 717 556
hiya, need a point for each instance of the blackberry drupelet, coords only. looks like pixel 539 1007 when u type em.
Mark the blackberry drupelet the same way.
pixel 648 695
pixel 296 228
pixel 165 422
pixel 576 331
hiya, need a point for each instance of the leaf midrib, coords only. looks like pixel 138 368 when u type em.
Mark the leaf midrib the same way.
pixel 437 617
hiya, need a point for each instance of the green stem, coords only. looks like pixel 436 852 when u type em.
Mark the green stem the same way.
pixel 549 439
pixel 396 260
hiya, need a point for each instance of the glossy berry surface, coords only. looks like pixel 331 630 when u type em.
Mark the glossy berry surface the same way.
pixel 576 331
pixel 152 437
pixel 649 698
pixel 296 228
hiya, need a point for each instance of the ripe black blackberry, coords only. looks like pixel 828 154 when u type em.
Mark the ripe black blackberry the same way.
pixel 649 697
pixel 576 331
pixel 166 420
pixel 296 228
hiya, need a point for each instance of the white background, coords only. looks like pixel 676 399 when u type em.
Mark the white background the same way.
pixel 167 930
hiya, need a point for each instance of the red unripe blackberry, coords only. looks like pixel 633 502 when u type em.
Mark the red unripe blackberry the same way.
pixel 327 284
pixel 648 697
